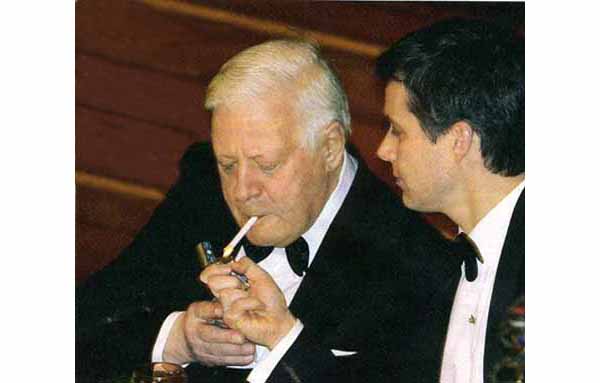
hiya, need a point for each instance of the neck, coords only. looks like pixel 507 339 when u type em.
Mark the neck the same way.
pixel 479 196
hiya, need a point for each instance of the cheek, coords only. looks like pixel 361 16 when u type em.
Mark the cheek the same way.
pixel 403 150
pixel 230 201
pixel 435 173
pixel 284 195
pixel 402 159
pixel 417 168
pixel 227 190
pixel 293 195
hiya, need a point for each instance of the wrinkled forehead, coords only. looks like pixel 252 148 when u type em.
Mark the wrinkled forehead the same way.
pixel 254 125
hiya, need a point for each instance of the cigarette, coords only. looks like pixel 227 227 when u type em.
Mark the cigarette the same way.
pixel 238 237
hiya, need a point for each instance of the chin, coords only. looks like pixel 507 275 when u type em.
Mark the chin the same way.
pixel 410 203
pixel 270 231
pixel 407 201
pixel 258 240
pixel 262 235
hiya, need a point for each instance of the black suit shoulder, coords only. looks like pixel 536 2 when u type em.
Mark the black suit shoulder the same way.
pixel 400 240
pixel 155 275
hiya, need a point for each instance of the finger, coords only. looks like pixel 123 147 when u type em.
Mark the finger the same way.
pixel 212 360
pixel 216 283
pixel 237 314
pixel 251 270
pixel 213 334
pixel 226 349
pixel 205 310
pixel 214 269
pixel 228 296
pixel 244 305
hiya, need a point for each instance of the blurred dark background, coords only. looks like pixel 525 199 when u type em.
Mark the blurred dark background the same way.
pixel 142 68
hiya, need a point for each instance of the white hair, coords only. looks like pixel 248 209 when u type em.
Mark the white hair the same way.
pixel 284 68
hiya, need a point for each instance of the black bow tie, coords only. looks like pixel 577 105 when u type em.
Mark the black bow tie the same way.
pixel 466 248
pixel 297 254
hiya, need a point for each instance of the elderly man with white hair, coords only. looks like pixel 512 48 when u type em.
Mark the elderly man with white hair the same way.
pixel 365 283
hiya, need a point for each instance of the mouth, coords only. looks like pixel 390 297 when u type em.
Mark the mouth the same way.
pixel 246 217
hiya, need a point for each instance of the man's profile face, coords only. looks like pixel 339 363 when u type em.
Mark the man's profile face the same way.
pixel 420 167
pixel 265 172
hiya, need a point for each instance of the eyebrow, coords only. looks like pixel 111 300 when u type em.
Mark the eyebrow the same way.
pixel 234 158
pixel 225 157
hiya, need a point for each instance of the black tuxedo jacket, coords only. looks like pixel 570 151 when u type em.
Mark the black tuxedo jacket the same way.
pixel 508 286
pixel 382 284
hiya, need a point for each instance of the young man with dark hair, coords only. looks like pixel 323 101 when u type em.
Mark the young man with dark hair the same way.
pixel 456 141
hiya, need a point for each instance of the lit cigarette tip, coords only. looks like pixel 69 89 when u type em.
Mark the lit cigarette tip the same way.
pixel 238 237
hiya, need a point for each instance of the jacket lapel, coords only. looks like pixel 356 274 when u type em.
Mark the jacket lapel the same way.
pixel 509 283
pixel 320 298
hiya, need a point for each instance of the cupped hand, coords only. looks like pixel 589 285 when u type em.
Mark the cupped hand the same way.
pixel 194 339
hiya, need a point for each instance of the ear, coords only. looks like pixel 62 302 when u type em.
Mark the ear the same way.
pixel 334 142
pixel 462 139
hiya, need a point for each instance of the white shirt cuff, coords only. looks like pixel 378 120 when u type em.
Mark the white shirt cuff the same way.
pixel 261 372
pixel 163 335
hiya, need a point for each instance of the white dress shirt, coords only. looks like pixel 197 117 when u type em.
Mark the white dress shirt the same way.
pixel 284 277
pixel 465 341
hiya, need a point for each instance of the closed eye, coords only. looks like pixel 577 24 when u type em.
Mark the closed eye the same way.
pixel 268 168
pixel 227 168
pixel 391 128
pixel 394 131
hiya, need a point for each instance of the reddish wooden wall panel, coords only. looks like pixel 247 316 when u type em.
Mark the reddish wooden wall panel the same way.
pixel 127 149
pixel 375 22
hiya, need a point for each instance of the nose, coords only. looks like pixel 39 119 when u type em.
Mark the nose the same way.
pixel 246 185
pixel 386 150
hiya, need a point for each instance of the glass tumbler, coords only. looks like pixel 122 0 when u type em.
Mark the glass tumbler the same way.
pixel 159 372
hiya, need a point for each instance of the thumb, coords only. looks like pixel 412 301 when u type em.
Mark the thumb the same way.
pixel 250 269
